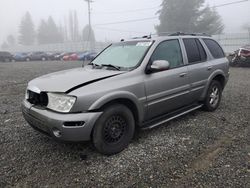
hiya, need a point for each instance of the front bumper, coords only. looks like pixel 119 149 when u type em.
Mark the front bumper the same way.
pixel 47 122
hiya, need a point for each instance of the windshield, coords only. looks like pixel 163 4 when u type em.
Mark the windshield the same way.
pixel 124 55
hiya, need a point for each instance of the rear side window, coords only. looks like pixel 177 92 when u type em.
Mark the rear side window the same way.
pixel 214 48
pixel 195 51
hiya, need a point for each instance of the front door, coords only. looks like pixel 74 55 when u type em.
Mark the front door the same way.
pixel 167 90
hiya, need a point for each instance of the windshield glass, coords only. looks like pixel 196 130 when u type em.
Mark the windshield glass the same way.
pixel 123 55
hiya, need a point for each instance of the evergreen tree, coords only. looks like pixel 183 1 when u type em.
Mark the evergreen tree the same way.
pixel 11 40
pixel 88 34
pixel 188 16
pixel 71 26
pixel 48 32
pixel 54 35
pixel 42 35
pixel 26 30
pixel 76 27
pixel 4 45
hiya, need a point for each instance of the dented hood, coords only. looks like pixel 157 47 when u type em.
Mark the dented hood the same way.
pixel 69 80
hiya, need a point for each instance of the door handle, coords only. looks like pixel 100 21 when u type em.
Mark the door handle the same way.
pixel 209 68
pixel 183 75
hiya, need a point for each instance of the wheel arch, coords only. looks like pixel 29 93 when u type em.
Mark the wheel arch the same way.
pixel 218 76
pixel 126 98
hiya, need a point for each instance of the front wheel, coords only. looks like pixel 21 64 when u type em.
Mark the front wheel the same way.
pixel 213 97
pixel 113 130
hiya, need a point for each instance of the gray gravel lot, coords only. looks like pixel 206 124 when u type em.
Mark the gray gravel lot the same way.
pixel 200 149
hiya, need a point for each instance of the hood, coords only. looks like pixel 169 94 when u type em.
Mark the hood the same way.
pixel 69 80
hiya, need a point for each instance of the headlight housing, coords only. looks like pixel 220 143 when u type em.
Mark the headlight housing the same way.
pixel 60 102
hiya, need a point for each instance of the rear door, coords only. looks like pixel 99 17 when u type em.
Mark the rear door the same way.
pixel 167 90
pixel 198 67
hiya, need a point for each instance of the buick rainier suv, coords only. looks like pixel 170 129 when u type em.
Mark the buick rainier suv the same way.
pixel 139 83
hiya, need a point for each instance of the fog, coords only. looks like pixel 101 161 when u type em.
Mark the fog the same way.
pixel 105 11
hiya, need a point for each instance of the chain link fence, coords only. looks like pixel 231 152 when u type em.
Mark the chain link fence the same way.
pixel 230 43
pixel 60 47
pixel 233 41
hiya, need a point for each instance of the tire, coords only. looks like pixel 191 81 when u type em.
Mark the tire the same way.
pixel 43 58
pixel 113 130
pixel 27 59
pixel 213 97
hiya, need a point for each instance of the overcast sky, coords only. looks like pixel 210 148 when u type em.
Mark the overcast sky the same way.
pixel 105 11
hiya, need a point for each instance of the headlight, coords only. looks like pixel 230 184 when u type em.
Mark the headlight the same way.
pixel 26 94
pixel 60 102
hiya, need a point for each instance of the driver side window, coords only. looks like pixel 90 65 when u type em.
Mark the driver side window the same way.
pixel 170 51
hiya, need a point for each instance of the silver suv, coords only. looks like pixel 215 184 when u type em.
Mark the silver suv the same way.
pixel 140 83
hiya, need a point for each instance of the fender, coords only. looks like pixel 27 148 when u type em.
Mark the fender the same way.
pixel 121 95
pixel 211 77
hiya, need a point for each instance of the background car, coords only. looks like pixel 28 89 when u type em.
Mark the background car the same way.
pixel 87 56
pixel 67 57
pixel 6 56
pixel 38 56
pixel 74 56
pixel 21 56
pixel 53 55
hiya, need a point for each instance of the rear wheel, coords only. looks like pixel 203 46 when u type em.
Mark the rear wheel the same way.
pixel 113 130
pixel 43 58
pixel 213 97
pixel 27 59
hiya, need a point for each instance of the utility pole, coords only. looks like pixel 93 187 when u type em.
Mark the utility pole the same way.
pixel 90 26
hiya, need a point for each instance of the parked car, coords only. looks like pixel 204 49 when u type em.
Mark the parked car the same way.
pixel 6 56
pixel 38 56
pixel 66 56
pixel 74 56
pixel 21 57
pixel 139 83
pixel 53 55
pixel 87 56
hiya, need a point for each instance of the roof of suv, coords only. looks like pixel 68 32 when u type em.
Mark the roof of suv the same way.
pixel 168 36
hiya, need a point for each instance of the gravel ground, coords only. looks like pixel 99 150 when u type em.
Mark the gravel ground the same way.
pixel 198 150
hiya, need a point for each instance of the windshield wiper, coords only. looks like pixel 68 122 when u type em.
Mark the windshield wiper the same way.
pixel 112 66
pixel 94 65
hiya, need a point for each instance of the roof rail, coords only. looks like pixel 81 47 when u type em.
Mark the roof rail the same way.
pixel 143 37
pixel 190 34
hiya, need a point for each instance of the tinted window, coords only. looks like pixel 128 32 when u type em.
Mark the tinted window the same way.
pixel 214 48
pixel 170 51
pixel 202 52
pixel 195 51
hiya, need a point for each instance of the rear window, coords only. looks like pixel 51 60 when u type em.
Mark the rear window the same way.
pixel 195 51
pixel 214 48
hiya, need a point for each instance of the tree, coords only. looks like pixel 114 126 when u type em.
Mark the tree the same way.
pixel 246 27
pixel 73 26
pixel 76 27
pixel 4 45
pixel 88 34
pixel 11 40
pixel 188 16
pixel 54 35
pixel 26 30
pixel 48 32
pixel 42 35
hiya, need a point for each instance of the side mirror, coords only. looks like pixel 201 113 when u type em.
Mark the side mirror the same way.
pixel 158 65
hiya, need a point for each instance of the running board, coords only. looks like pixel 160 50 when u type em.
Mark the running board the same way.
pixel 169 118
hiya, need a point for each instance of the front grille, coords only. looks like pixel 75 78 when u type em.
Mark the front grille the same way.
pixel 38 99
